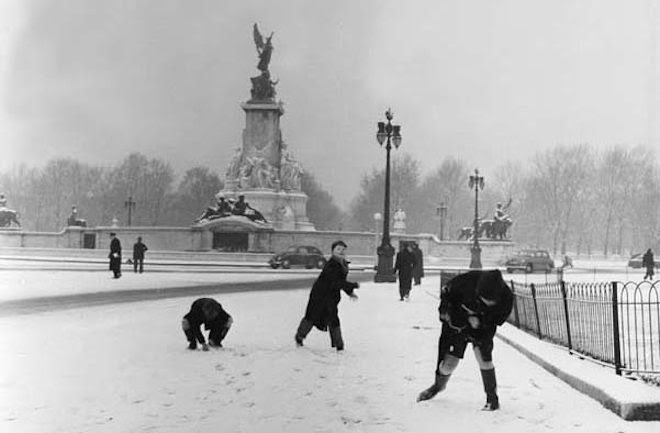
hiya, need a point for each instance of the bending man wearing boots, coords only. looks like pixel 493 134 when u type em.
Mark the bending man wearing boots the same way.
pixel 472 305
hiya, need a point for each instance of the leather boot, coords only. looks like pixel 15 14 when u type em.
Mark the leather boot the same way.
pixel 439 385
pixel 490 387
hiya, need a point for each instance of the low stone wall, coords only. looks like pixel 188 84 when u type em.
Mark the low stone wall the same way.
pixel 193 239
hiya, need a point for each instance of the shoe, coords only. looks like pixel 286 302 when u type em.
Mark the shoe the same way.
pixel 192 346
pixel 401 299
pixel 491 405
pixel 299 341
pixel 214 344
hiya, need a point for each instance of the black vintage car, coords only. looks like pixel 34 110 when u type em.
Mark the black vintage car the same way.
pixel 530 261
pixel 298 255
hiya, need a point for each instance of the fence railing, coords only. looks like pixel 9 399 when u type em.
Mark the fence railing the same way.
pixel 613 322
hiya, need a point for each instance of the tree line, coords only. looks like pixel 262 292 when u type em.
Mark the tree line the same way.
pixel 567 198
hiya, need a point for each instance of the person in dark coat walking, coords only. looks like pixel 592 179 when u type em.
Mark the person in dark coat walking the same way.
pixel 209 312
pixel 322 307
pixel 472 306
pixel 404 265
pixel 649 263
pixel 115 255
pixel 138 255
pixel 418 270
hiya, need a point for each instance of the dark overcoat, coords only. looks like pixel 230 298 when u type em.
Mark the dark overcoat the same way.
pixel 404 265
pixel 138 250
pixel 115 255
pixel 322 307
pixel 647 260
pixel 418 269
pixel 202 312
pixel 460 298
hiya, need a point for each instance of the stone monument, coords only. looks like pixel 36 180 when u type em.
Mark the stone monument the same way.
pixel 263 170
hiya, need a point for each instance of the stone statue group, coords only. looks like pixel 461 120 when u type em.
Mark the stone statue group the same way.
pixel 7 216
pixel 228 207
pixel 495 229
pixel 256 172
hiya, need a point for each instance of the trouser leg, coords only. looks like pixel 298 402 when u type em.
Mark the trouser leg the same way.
pixel 135 265
pixel 189 334
pixel 336 339
pixel 303 329
pixel 490 388
pixel 141 267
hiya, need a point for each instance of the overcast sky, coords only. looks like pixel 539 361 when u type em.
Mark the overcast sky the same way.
pixel 481 80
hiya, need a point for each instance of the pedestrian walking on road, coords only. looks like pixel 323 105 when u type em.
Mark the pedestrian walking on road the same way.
pixel 322 308
pixel 472 305
pixel 115 255
pixel 209 312
pixel 404 265
pixel 138 255
pixel 649 263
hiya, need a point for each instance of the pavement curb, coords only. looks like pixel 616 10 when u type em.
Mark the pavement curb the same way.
pixel 627 410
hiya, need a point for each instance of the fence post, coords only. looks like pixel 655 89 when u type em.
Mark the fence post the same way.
pixel 516 317
pixel 568 322
pixel 615 328
pixel 536 311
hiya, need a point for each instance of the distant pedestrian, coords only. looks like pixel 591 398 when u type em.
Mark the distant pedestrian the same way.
pixel 404 265
pixel 115 255
pixel 209 312
pixel 648 262
pixel 418 270
pixel 138 255
pixel 472 305
pixel 322 308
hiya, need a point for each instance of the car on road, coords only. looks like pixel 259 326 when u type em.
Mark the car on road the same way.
pixel 530 261
pixel 635 261
pixel 298 255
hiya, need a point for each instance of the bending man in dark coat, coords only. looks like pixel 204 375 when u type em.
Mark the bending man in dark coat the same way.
pixel 115 255
pixel 418 270
pixel 322 308
pixel 404 265
pixel 472 305
pixel 649 263
pixel 209 312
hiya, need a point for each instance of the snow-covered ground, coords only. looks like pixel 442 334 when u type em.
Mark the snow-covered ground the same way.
pixel 125 368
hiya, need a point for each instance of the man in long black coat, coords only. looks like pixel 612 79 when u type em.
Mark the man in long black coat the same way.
pixel 322 307
pixel 404 265
pixel 115 255
pixel 418 270
pixel 472 305
pixel 209 312
pixel 649 263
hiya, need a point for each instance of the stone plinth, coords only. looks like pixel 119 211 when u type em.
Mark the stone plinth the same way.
pixel 262 136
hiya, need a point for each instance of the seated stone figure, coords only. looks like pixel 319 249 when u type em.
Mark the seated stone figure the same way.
pixel 243 208
pixel 73 219
pixel 222 209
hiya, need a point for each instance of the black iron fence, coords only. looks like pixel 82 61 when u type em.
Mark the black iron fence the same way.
pixel 612 322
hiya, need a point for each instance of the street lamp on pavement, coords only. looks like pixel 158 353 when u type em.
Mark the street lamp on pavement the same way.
pixel 442 213
pixel 476 182
pixel 392 135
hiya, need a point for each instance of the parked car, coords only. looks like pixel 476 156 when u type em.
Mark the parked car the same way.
pixel 530 261
pixel 298 255
pixel 635 261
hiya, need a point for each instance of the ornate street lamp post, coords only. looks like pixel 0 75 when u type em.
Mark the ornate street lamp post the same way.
pixel 391 134
pixel 130 204
pixel 476 182
pixel 442 213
